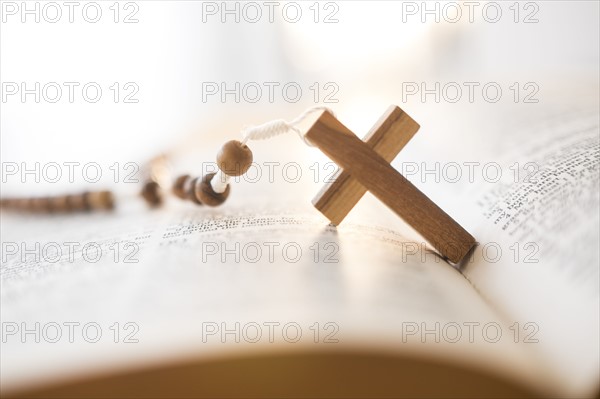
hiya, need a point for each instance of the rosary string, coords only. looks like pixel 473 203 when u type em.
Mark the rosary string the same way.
pixel 263 132
pixel 233 159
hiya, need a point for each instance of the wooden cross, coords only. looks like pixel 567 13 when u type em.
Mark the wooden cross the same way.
pixel 366 166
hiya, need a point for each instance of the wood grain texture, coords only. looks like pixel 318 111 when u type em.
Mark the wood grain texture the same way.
pixel 205 193
pixel 390 187
pixel 387 138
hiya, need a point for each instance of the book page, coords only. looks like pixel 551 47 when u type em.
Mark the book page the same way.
pixel 538 258
pixel 105 292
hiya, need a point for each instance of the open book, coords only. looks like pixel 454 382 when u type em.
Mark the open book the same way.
pixel 262 297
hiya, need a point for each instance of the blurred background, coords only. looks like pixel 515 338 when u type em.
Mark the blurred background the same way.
pixel 164 69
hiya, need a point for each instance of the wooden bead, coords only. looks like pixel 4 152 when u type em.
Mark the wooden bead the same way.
pixel 40 205
pixel 88 201
pixel 206 194
pixel 180 185
pixel 107 200
pixel 191 192
pixel 99 200
pixel 77 203
pixel 8 203
pixel 151 193
pixel 59 204
pixel 23 204
pixel 234 158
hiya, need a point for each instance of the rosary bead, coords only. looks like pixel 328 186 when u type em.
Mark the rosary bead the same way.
pixel 192 194
pixel 59 204
pixel 151 193
pixel 23 204
pixel 207 195
pixel 95 200
pixel 40 205
pixel 10 203
pixel 179 187
pixel 77 202
pixel 99 200
pixel 234 158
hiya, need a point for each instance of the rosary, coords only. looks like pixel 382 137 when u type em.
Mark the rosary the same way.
pixel 364 166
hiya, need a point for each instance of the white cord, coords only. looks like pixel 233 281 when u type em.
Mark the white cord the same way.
pixel 279 126
pixel 265 131
pixel 219 182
